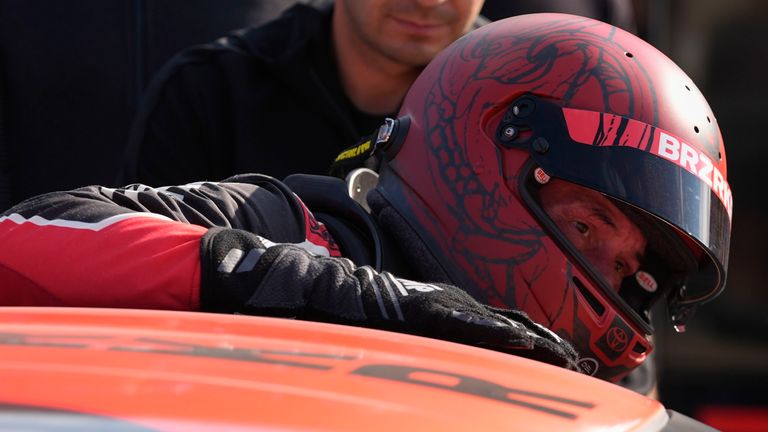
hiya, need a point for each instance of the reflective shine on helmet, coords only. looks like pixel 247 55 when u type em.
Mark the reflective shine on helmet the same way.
pixel 527 99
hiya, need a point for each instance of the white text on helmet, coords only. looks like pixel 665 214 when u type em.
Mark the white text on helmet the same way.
pixel 697 163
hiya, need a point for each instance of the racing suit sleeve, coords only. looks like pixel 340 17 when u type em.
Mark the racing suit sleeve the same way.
pixel 136 247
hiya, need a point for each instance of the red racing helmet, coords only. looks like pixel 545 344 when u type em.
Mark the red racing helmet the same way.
pixel 523 100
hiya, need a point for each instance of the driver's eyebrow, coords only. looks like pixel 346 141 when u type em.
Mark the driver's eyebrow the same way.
pixel 601 214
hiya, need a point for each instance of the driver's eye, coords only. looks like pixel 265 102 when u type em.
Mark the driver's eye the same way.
pixel 619 267
pixel 581 227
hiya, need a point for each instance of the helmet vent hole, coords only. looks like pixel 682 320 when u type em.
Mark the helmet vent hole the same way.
pixel 696 129
pixel 589 297
pixel 639 348
pixel 709 120
pixel 629 54
pixel 687 88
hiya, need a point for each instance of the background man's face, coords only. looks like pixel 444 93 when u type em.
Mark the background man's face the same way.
pixel 410 32
pixel 603 234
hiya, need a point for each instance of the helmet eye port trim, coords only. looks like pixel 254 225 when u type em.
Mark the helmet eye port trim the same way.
pixel 676 200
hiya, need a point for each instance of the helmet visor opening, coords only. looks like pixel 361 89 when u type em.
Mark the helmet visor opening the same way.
pixel 668 198
pixel 634 262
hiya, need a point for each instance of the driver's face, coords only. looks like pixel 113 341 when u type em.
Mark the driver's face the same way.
pixel 597 228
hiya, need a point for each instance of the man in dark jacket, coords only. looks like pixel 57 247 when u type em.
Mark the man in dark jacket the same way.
pixel 287 96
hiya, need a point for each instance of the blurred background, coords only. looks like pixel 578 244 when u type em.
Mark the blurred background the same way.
pixel 718 370
pixel 73 73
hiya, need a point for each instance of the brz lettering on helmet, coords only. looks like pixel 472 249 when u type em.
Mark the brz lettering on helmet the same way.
pixel 697 163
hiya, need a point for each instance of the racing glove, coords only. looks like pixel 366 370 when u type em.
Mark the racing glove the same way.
pixel 245 273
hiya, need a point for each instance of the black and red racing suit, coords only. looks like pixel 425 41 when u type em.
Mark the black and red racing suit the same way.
pixel 140 247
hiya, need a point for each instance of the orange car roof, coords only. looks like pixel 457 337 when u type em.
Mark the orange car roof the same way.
pixel 159 370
